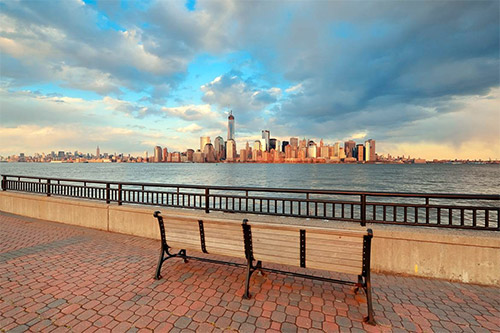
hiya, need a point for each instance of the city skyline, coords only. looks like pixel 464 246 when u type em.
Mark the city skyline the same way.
pixel 264 150
pixel 80 74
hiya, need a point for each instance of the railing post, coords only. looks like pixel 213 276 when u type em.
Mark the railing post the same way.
pixel 363 210
pixel 207 193
pixel 119 194
pixel 48 187
pixel 4 183
pixel 108 198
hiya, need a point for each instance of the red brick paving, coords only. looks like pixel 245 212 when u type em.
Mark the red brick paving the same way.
pixel 60 278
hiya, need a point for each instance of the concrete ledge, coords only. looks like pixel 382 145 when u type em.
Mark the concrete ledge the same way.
pixel 456 255
pixel 83 213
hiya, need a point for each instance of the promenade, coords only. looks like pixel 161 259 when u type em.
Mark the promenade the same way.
pixel 62 278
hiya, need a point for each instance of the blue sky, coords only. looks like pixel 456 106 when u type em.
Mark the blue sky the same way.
pixel 421 78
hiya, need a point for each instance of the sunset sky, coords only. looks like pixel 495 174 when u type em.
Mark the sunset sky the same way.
pixel 420 77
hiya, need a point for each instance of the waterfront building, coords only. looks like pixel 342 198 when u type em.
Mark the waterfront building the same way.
pixel 203 141
pixel 349 148
pixel 341 153
pixel 209 153
pixel 283 145
pixel 243 155
pixel 230 126
pixel 278 146
pixel 266 137
pixel 157 154
pixel 325 152
pixel 294 142
pixel 303 143
pixel 198 157
pixel 231 150
pixel 336 149
pixel 360 152
pixel 312 149
pixel 370 150
pixel 165 152
pixel 176 157
pixel 189 155
pixel 272 144
pixel 219 148
pixel 257 146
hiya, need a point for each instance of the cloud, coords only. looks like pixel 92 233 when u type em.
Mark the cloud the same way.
pixel 68 138
pixel 190 112
pixel 190 128
pixel 245 97
pixel 406 71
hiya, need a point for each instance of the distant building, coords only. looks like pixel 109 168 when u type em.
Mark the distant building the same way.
pixel 219 148
pixel 370 150
pixel 230 126
pixel 257 145
pixel 165 153
pixel 203 141
pixel 266 136
pixel 243 155
pixel 272 144
pixel 360 152
pixel 231 150
pixel 198 157
pixel 284 144
pixel 209 153
pixel 98 152
pixel 349 148
pixel 294 142
pixel 324 152
pixel 157 155
pixel 312 149
pixel 189 155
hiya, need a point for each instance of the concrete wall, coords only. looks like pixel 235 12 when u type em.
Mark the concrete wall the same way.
pixel 456 255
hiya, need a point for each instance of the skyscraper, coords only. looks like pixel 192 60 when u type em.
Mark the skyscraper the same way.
pixel 266 136
pixel 219 148
pixel 370 150
pixel 231 150
pixel 360 152
pixel 157 156
pixel 230 126
pixel 312 149
pixel 349 148
pixel 294 142
pixel 203 141
pixel 98 152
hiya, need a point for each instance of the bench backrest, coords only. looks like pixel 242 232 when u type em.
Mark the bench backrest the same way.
pixel 317 248
pixel 339 250
pixel 223 237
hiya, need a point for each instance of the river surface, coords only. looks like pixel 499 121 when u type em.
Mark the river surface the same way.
pixel 427 178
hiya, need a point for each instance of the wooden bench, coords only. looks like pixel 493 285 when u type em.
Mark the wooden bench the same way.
pixel 336 250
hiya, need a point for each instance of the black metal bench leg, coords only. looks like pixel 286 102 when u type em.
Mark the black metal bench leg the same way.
pixel 246 295
pixel 368 291
pixel 183 254
pixel 258 268
pixel 160 262
pixel 359 284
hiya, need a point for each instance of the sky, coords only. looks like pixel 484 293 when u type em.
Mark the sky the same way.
pixel 422 78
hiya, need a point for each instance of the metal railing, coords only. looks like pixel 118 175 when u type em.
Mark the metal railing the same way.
pixel 463 211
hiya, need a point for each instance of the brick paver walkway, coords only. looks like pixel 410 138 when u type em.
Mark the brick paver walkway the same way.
pixel 60 278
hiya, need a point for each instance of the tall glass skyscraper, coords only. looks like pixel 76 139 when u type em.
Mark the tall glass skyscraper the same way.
pixel 230 126
pixel 266 136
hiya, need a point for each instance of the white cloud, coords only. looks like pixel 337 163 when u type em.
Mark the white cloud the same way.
pixel 190 128
pixel 190 112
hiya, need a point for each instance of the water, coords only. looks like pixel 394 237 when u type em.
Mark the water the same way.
pixel 428 178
